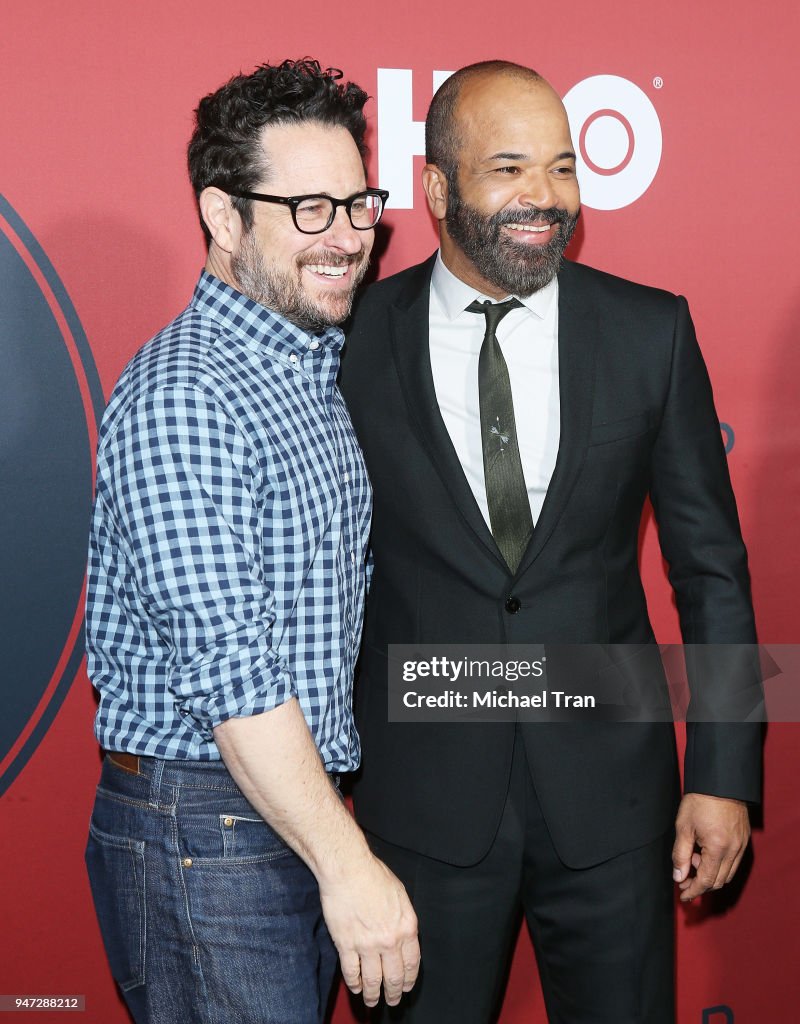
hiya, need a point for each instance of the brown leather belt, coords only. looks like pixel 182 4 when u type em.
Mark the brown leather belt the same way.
pixel 128 762
pixel 131 763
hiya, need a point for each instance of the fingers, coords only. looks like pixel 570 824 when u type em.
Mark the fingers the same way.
pixel 715 866
pixel 695 863
pixel 411 960
pixel 735 866
pixel 682 853
pixel 371 978
pixel 396 972
pixel 708 867
pixel 394 978
pixel 350 964
pixel 730 863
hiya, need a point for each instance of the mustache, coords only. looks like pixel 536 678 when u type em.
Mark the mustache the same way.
pixel 330 258
pixel 550 215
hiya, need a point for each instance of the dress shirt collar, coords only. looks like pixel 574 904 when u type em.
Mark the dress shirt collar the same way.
pixel 454 295
pixel 253 322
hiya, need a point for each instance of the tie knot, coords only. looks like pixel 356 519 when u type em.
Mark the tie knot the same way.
pixel 493 311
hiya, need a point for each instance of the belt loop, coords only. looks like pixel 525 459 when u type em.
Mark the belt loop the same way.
pixel 155 782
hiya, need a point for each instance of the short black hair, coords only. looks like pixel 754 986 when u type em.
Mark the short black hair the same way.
pixel 442 137
pixel 225 149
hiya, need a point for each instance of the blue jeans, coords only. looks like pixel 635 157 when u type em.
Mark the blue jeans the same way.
pixel 207 916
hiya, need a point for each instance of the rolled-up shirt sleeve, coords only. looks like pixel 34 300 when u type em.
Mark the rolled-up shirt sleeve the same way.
pixel 187 496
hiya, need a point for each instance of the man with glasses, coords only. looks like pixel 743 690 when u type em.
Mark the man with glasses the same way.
pixel 225 593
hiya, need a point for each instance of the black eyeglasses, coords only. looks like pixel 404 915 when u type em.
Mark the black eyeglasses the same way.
pixel 314 214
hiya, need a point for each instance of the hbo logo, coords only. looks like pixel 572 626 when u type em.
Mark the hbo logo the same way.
pixel 615 128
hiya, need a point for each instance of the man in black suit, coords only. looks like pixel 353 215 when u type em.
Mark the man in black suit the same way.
pixel 599 397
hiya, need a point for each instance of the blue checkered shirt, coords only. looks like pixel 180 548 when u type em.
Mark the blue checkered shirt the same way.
pixel 227 550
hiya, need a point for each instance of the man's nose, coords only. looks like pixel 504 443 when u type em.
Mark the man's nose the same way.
pixel 538 192
pixel 342 235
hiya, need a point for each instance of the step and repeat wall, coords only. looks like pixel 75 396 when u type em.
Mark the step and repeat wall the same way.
pixel 682 117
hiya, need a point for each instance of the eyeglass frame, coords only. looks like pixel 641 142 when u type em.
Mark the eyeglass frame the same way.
pixel 294 201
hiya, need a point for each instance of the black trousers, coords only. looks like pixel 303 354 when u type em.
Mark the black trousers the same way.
pixel 603 935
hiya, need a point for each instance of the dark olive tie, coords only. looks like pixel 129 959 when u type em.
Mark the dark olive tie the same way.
pixel 506 494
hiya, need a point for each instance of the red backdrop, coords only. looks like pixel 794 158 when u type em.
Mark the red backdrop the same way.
pixel 96 113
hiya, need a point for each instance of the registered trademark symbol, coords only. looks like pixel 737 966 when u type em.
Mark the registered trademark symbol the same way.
pixel 658 81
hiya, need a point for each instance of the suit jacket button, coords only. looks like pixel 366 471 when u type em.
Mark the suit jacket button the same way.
pixel 513 605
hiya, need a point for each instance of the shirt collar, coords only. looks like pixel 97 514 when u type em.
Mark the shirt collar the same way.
pixel 454 295
pixel 252 321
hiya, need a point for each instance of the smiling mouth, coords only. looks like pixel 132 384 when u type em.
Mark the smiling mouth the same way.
pixel 533 228
pixel 328 270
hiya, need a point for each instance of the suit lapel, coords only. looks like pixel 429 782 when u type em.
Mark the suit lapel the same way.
pixel 409 320
pixel 577 353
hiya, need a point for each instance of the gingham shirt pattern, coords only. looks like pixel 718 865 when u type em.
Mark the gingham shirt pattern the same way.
pixel 228 542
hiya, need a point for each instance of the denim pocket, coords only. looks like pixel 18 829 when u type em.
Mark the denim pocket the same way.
pixel 217 827
pixel 245 837
pixel 116 874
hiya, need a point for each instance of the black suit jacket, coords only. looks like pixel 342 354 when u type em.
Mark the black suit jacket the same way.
pixel 637 418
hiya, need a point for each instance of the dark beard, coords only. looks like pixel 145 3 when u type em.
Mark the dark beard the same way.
pixel 512 267
pixel 283 293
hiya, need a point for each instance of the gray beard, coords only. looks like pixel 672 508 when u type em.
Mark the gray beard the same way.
pixel 282 293
pixel 512 267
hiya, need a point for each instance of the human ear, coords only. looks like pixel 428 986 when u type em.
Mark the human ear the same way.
pixel 434 183
pixel 223 222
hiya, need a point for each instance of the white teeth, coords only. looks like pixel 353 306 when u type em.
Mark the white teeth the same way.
pixel 319 268
pixel 530 227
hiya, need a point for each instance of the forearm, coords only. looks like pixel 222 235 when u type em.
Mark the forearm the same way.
pixel 274 761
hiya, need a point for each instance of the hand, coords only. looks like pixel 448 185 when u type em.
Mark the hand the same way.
pixel 721 829
pixel 374 929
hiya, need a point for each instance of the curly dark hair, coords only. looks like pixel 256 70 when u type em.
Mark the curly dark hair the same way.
pixel 225 148
pixel 442 135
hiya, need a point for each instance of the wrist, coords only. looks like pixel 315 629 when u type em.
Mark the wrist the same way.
pixel 348 857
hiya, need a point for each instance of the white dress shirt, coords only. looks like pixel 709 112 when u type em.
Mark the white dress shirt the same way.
pixel 528 338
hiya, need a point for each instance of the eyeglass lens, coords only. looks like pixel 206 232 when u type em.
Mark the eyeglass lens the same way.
pixel 316 213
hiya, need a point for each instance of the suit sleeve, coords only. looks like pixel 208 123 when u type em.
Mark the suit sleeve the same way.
pixel 701 540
